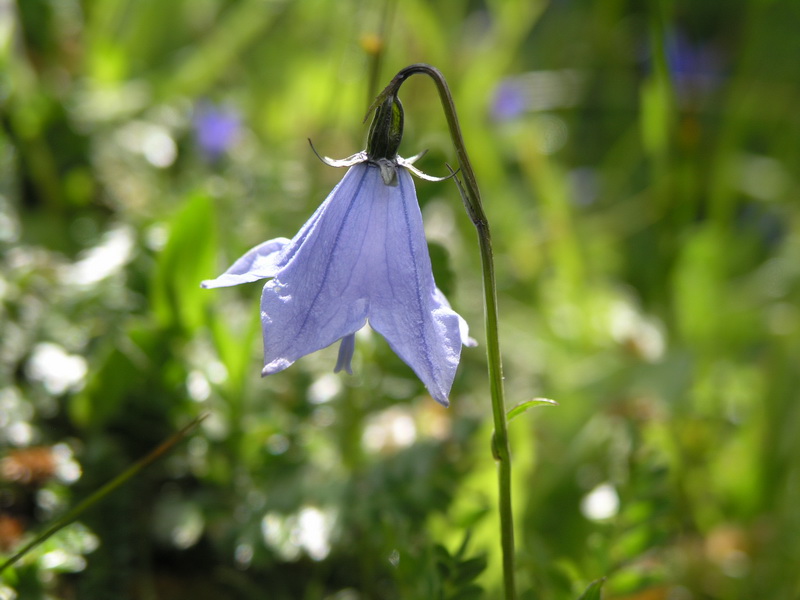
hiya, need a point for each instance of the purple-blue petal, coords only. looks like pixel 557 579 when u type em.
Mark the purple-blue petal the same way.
pixel 260 262
pixel 266 259
pixel 405 306
pixel 365 257
pixel 319 297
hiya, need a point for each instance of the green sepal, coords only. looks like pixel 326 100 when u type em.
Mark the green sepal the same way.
pixel 386 130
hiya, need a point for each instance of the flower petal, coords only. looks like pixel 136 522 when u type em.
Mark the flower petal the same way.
pixel 362 255
pixel 346 349
pixel 265 260
pixel 405 306
pixel 321 294
pixel 463 328
pixel 257 263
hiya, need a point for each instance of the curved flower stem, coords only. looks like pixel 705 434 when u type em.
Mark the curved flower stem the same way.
pixel 472 202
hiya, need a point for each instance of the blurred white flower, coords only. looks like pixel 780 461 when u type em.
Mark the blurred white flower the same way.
pixel 56 369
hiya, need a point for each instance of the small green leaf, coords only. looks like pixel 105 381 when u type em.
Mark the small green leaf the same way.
pixel 593 591
pixel 524 406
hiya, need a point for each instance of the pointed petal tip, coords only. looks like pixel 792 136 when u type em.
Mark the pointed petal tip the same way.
pixel 224 280
pixel 443 401
pixel 277 365
pixel 261 262
pixel 441 396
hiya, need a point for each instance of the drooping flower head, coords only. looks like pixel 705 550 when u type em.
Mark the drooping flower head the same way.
pixel 361 257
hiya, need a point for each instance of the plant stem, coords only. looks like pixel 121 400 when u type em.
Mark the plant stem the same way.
pixel 378 52
pixel 472 202
pixel 101 493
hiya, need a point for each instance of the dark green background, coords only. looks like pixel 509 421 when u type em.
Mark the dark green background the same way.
pixel 643 202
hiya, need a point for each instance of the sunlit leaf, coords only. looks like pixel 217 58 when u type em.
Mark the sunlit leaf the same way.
pixel 593 591
pixel 527 405
pixel 187 259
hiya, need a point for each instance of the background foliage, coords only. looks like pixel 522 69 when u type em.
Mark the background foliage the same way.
pixel 638 161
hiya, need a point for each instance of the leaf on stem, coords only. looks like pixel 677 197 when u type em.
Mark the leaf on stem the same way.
pixel 524 406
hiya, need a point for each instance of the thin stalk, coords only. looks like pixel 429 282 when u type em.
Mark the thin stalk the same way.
pixel 101 493
pixel 472 202
pixel 378 48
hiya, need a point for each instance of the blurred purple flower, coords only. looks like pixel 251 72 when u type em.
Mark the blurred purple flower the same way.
pixel 510 100
pixel 361 256
pixel 696 69
pixel 216 129
pixel 535 91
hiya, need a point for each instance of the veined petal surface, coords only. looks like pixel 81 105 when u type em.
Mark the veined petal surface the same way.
pixel 320 296
pixel 406 307
pixel 365 257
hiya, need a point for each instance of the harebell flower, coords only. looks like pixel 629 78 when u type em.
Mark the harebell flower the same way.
pixel 361 257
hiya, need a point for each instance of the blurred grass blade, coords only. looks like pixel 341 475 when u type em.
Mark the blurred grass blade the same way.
pixel 240 26
pixel 528 404
pixel 593 591
pixel 104 491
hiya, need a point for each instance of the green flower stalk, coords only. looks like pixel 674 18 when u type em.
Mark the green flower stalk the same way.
pixel 472 202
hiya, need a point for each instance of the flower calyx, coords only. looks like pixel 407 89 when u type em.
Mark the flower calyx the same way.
pixel 383 141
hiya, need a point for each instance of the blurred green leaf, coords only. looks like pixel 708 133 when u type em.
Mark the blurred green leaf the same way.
pixel 188 257
pixel 121 372
pixel 236 348
pixel 593 591
pixel 468 592
pixel 469 569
